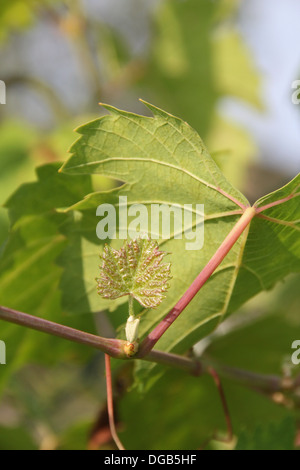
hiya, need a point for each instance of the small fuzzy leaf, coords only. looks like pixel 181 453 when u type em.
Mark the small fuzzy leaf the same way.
pixel 136 269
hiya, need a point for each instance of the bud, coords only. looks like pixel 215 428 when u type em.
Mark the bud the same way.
pixel 132 328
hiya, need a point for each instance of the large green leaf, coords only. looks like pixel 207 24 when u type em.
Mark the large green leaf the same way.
pixel 29 275
pixel 273 244
pixel 15 164
pixel 270 437
pixel 163 160
pixel 182 412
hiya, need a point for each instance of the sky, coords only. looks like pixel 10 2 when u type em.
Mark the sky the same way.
pixel 270 29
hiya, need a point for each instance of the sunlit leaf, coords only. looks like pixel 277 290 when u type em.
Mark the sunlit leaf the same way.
pixel 163 159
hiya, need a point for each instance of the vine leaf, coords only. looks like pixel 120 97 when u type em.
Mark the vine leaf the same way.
pixel 29 275
pixel 272 248
pixel 136 269
pixel 161 159
pixel 270 435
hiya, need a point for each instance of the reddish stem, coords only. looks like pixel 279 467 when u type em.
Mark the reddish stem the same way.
pixel 110 404
pixel 219 386
pixel 200 280
pixel 233 199
pixel 276 203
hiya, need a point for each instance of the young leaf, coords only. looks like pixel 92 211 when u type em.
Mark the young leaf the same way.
pixel 136 269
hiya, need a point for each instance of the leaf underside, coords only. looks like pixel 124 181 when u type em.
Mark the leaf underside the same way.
pixel 162 160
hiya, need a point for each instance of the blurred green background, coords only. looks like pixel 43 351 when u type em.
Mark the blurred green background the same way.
pixel 196 59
